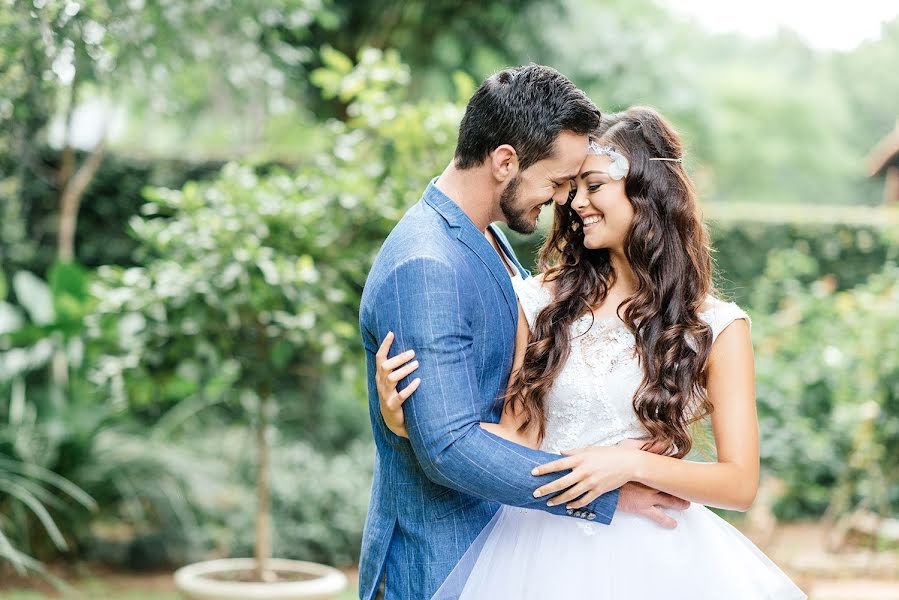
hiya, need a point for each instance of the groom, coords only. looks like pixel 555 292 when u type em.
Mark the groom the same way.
pixel 439 283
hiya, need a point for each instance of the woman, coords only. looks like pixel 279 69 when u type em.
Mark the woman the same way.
pixel 621 339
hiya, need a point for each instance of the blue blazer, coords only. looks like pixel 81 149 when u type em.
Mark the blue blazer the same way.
pixel 440 286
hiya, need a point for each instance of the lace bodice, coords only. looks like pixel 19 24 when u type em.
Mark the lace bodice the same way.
pixel 591 401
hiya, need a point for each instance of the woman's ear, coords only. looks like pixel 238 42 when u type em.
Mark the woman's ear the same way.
pixel 503 163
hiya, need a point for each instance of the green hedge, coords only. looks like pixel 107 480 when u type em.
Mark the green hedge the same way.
pixel 748 253
pixel 751 255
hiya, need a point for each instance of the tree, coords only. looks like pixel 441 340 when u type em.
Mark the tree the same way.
pixel 261 275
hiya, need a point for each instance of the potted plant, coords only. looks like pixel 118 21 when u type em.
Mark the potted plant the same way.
pixel 266 272
pixel 229 280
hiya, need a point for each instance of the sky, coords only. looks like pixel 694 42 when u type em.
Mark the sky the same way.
pixel 822 24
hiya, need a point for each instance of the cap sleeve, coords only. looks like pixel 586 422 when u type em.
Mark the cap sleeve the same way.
pixel 532 296
pixel 720 314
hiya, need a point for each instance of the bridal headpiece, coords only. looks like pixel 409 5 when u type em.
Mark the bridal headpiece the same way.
pixel 620 165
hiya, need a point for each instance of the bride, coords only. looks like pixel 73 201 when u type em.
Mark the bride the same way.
pixel 622 346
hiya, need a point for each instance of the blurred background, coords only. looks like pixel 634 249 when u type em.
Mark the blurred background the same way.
pixel 192 193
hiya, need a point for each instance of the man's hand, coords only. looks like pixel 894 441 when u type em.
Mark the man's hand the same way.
pixel 639 499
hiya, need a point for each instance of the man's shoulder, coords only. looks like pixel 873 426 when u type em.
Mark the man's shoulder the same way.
pixel 417 246
pixel 408 245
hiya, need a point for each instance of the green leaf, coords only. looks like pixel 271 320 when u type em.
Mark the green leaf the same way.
pixel 35 297
pixel 10 318
pixel 35 471
pixel 327 81
pixel 68 283
pixel 28 499
pixel 68 278
pixel 336 60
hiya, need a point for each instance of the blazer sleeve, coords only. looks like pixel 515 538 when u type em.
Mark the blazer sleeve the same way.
pixel 420 302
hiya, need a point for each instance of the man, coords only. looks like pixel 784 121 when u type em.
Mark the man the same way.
pixel 440 284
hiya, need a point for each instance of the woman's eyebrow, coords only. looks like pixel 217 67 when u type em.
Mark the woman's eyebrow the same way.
pixel 584 175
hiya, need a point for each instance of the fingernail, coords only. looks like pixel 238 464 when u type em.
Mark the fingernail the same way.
pixel 534 471
pixel 537 494
pixel 550 503
pixel 415 363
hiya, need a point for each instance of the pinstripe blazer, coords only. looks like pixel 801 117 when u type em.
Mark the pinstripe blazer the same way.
pixel 440 286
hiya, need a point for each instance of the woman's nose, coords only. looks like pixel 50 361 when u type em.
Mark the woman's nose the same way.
pixel 580 198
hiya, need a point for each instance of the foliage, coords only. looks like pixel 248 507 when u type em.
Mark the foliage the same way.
pixel 231 284
pixel 112 199
pixel 65 449
pixel 828 391
pixel 763 264
pixel 319 499
pixel 256 278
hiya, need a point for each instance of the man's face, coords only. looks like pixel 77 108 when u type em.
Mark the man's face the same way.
pixel 543 182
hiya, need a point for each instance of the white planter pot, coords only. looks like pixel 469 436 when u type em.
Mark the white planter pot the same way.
pixel 324 583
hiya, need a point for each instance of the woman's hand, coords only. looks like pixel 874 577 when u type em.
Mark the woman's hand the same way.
pixel 389 373
pixel 594 471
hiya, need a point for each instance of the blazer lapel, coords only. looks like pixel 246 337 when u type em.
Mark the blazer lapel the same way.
pixel 503 241
pixel 476 241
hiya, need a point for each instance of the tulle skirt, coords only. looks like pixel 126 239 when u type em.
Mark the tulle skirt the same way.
pixel 529 554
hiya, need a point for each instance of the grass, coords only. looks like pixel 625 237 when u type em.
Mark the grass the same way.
pixel 101 593
pixel 117 587
pixel 98 594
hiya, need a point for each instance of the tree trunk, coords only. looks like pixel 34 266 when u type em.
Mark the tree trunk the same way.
pixel 70 200
pixel 263 501
pixel 71 182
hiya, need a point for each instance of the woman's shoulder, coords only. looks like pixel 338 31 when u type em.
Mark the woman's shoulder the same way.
pixel 534 294
pixel 720 313
pixel 536 284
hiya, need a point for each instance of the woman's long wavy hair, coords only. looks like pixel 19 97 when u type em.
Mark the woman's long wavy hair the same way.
pixel 668 250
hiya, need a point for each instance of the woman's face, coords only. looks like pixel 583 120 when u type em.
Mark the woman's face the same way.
pixel 605 211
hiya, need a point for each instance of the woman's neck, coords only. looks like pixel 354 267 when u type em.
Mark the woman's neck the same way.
pixel 624 283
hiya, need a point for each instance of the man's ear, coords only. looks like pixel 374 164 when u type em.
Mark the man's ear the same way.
pixel 503 163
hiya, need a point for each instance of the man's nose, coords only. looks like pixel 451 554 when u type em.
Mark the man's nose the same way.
pixel 561 198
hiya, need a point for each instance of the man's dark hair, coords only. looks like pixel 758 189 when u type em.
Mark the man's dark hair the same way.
pixel 527 108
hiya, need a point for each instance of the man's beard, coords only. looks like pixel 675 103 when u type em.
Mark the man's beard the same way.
pixel 516 218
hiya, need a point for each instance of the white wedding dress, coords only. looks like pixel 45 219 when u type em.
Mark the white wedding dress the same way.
pixel 530 554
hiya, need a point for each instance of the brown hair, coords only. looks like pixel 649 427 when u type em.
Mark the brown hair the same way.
pixel 668 250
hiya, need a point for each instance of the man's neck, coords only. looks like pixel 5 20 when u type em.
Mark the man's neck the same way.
pixel 471 189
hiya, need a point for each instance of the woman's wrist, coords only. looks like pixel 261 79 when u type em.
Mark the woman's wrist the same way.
pixel 638 464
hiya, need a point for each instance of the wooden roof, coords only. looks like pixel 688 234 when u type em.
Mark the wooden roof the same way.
pixel 885 154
